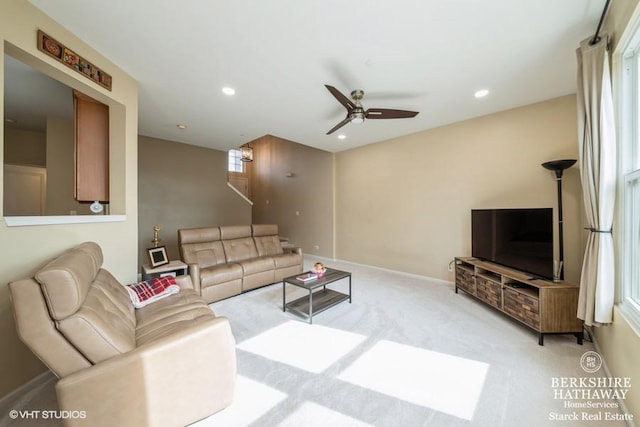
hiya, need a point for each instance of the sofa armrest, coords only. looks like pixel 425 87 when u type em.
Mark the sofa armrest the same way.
pixel 175 380
pixel 185 282
pixel 194 272
pixel 292 249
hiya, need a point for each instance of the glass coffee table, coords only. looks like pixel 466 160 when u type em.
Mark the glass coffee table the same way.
pixel 318 301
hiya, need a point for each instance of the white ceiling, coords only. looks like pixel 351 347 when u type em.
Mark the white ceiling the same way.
pixel 422 55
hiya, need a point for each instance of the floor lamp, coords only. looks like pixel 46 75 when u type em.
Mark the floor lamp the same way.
pixel 558 166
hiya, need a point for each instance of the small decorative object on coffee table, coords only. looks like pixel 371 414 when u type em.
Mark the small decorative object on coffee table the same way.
pixel 320 300
pixel 319 269
pixel 306 277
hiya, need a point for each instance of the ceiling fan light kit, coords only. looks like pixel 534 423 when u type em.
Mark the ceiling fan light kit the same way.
pixel 356 114
pixel 357 117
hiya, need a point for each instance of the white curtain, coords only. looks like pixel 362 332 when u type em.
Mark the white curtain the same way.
pixel 597 157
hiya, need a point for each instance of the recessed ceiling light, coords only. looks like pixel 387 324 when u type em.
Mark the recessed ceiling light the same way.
pixel 341 136
pixel 481 93
pixel 181 126
pixel 228 91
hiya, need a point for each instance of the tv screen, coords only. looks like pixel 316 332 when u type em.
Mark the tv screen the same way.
pixel 516 238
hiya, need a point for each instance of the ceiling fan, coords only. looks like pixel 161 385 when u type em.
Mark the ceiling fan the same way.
pixel 357 114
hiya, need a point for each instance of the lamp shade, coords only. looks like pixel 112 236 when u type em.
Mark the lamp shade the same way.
pixel 559 165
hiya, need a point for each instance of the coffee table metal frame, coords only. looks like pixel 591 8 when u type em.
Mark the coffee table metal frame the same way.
pixel 315 302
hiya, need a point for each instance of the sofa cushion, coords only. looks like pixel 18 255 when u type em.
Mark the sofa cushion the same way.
pixel 220 274
pixel 198 235
pixel 268 245
pixel 231 232
pixel 186 298
pixel 170 316
pixel 204 254
pixel 178 324
pixel 104 326
pixel 264 230
pixel 288 259
pixel 240 249
pixel 66 280
pixel 257 265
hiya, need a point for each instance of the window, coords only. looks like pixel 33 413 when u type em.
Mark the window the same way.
pixel 235 164
pixel 628 233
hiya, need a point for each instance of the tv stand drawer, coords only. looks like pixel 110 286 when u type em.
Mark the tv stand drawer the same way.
pixel 465 280
pixel 523 307
pixel 489 291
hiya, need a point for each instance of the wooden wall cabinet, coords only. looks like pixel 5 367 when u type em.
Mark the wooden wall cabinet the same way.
pixel 547 307
pixel 91 149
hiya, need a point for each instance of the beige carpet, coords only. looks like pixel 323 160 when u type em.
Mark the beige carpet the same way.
pixel 407 352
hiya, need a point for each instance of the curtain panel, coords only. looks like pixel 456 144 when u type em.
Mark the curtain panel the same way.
pixel 597 162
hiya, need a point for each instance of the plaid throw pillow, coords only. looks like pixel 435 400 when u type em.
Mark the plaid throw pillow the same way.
pixel 143 293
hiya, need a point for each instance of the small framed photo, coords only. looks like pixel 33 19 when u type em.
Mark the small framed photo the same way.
pixel 158 256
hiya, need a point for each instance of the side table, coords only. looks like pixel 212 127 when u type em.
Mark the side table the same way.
pixel 174 268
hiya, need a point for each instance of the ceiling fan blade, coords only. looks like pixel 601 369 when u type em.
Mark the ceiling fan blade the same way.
pixel 346 102
pixel 339 125
pixel 385 113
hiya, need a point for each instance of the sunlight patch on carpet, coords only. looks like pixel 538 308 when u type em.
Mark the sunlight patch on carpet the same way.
pixel 251 401
pixel 434 380
pixel 312 348
pixel 313 415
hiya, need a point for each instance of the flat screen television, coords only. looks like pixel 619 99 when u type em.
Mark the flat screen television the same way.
pixel 516 238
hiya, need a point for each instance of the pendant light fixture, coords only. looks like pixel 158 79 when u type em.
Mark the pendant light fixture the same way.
pixel 246 153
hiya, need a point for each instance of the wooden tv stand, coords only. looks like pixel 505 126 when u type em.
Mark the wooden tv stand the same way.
pixel 547 307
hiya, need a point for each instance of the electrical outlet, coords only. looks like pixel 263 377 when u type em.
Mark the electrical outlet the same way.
pixel 316 247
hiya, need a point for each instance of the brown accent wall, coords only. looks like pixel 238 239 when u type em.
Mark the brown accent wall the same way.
pixel 292 186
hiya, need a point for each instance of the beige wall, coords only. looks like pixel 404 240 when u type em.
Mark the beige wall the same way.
pixel 404 204
pixel 618 342
pixel 287 178
pixel 183 186
pixel 23 249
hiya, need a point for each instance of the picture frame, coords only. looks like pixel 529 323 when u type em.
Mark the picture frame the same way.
pixel 157 256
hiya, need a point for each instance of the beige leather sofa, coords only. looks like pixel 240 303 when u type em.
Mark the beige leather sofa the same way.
pixel 227 260
pixel 169 363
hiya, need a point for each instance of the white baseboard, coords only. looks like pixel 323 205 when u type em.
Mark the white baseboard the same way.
pixel 404 273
